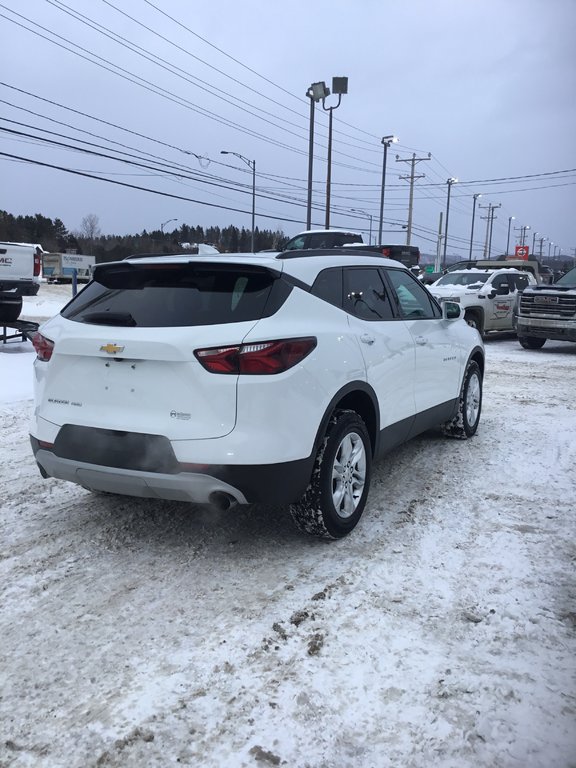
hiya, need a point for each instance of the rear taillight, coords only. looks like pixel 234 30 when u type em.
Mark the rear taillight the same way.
pixel 37 263
pixel 43 346
pixel 386 252
pixel 262 357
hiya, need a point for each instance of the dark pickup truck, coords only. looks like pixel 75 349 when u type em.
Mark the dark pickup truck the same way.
pixel 408 255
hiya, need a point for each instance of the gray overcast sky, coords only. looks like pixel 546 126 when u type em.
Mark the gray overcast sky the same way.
pixel 486 86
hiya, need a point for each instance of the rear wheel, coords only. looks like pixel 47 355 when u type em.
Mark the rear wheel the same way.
pixel 465 423
pixel 10 310
pixel 531 342
pixel 336 496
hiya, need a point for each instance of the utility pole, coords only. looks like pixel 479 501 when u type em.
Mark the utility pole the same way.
pixel 438 259
pixel 489 221
pixel 541 240
pixel 413 160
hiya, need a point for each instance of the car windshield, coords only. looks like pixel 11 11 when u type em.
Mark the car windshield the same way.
pixel 569 279
pixel 463 278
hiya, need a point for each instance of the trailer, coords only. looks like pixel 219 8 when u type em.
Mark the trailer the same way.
pixel 61 267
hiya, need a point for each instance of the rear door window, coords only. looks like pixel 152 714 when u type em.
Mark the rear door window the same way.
pixel 171 295
pixel 365 294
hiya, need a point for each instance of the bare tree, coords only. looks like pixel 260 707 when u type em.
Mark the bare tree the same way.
pixel 90 229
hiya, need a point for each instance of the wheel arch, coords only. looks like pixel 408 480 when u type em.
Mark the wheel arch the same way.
pixel 477 312
pixel 477 355
pixel 355 396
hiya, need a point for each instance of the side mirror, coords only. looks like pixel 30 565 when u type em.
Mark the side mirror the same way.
pixel 451 310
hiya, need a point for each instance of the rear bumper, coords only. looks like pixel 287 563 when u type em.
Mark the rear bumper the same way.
pixel 205 484
pixel 12 289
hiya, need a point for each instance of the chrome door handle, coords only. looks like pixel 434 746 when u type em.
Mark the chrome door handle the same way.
pixel 421 340
pixel 366 339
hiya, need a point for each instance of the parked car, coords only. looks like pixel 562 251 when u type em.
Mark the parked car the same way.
pixel 322 238
pixel 488 297
pixel 250 378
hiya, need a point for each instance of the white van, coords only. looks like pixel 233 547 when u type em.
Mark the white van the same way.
pixel 20 270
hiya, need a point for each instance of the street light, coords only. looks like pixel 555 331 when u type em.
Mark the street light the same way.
pixel 164 224
pixel 386 141
pixel 339 87
pixel 510 220
pixel 472 230
pixel 358 210
pixel 534 242
pixel 317 92
pixel 252 165
pixel 449 181
pixel 550 244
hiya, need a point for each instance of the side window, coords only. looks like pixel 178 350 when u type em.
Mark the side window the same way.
pixel 521 282
pixel 318 240
pixel 343 238
pixel 501 280
pixel 414 301
pixel 296 244
pixel 328 286
pixel 365 294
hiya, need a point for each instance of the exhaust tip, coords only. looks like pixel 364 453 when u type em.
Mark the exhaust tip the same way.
pixel 222 501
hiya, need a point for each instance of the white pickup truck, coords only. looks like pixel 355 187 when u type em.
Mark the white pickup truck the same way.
pixel 488 296
pixel 20 268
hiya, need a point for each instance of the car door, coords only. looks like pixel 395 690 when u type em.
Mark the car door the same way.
pixel 501 305
pixel 386 343
pixel 437 360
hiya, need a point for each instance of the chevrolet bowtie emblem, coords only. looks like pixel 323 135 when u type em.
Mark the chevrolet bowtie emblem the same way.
pixel 112 349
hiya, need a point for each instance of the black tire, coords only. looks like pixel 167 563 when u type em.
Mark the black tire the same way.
pixel 10 310
pixel 336 496
pixel 531 342
pixel 474 320
pixel 465 423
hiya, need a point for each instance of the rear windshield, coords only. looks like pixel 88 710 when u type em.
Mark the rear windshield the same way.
pixel 170 295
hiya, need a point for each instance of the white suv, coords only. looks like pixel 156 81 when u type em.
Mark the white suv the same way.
pixel 250 378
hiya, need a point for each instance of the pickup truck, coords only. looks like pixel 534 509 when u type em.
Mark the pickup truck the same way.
pixel 409 255
pixel 488 296
pixel 547 312
pixel 20 267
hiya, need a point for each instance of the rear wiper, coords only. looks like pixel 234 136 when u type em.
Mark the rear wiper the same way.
pixel 109 318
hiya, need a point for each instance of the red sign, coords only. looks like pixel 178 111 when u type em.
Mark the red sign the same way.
pixel 521 252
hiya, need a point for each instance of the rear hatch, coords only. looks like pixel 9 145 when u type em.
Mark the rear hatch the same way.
pixel 125 352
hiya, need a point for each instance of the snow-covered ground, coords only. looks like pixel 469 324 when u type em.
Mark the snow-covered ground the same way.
pixel 442 632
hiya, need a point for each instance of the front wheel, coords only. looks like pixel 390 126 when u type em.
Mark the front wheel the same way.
pixel 336 496
pixel 474 321
pixel 465 423
pixel 531 342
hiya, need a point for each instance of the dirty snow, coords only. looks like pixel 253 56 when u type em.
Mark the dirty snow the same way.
pixel 440 633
